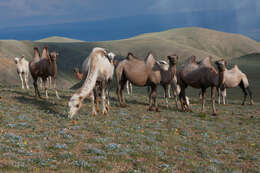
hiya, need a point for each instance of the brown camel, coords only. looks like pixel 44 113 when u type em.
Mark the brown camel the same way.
pixel 144 73
pixel 233 78
pixel 200 75
pixel 43 68
pixel 77 74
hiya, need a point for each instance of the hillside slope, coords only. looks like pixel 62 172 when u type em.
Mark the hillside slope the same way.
pixel 183 42
pixel 57 39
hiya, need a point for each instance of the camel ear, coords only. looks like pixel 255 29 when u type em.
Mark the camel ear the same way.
pixel 22 57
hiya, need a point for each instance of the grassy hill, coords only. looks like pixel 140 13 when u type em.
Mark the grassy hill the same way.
pixel 57 39
pixel 183 42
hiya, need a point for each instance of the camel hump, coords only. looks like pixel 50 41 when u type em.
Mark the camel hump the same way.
pixel 45 53
pixel 190 60
pixel 236 67
pixel 206 61
pixel 130 56
pixel 149 60
pixel 36 52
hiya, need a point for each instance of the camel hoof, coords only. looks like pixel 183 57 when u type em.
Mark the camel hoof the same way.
pixel 94 113
pixel 123 105
pixel 214 114
pixel 243 104
pixel 150 109
pixel 252 102
pixel 104 112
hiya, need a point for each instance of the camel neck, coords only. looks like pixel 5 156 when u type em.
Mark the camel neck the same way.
pixel 172 68
pixel 53 68
pixel 220 78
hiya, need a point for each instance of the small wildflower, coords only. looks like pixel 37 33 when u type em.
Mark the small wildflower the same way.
pixel 24 142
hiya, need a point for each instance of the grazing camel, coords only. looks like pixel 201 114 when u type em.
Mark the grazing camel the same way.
pixel 22 67
pixel 233 78
pixel 202 76
pixel 144 73
pixel 44 68
pixel 100 69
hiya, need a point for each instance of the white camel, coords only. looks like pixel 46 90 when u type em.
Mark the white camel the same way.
pixel 22 67
pixel 233 78
pixel 100 69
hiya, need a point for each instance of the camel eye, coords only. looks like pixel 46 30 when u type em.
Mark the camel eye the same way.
pixel 77 105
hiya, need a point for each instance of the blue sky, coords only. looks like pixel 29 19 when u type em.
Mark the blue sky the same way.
pixel 35 19
pixel 41 12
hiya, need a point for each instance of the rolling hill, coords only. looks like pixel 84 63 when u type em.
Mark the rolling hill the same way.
pixel 183 42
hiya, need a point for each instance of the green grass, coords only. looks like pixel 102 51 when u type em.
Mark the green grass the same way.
pixel 36 136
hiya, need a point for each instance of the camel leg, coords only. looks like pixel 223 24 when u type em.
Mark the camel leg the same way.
pixel 54 87
pixel 224 95
pixel 40 79
pixel 103 95
pixel 21 78
pixel 96 98
pixel 120 88
pixel 175 94
pixel 154 95
pixel 152 98
pixel 49 79
pixel 92 98
pixel 108 92
pixel 169 91
pixel 241 85
pixel 36 90
pixel 181 97
pixel 203 91
pixel 127 87
pixel 26 81
pixel 45 87
pixel 213 93
pixel 219 95
pixel 250 95
pixel 166 94
pixel 131 88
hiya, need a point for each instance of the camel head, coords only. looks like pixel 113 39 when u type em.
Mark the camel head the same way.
pixel 16 60
pixel 173 59
pixel 76 70
pixel 53 56
pixel 74 105
pixel 221 64
pixel 111 57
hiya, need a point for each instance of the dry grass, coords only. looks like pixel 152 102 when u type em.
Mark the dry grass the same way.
pixel 36 136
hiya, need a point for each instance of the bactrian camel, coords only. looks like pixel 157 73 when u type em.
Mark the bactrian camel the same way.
pixel 100 69
pixel 233 78
pixel 201 76
pixel 22 67
pixel 144 73
pixel 44 67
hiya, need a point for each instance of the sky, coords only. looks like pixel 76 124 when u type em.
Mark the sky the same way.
pixel 39 12
pixel 26 13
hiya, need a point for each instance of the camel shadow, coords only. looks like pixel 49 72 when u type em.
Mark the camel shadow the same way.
pixel 39 103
